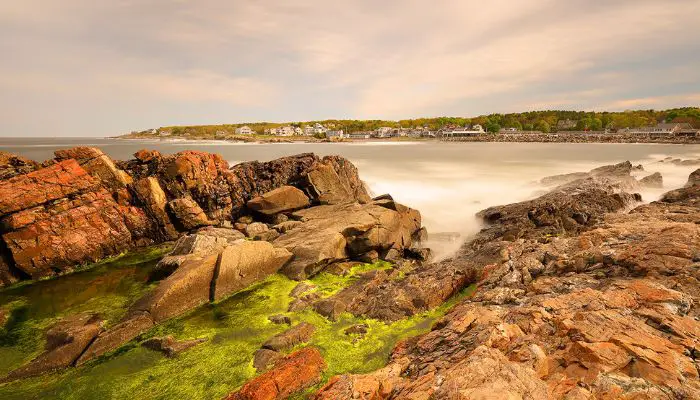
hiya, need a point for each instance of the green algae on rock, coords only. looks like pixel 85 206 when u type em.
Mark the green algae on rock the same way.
pixel 234 328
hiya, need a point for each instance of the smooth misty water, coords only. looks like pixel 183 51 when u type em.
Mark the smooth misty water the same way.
pixel 447 182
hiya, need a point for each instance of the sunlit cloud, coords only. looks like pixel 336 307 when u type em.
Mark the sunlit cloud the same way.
pixel 231 61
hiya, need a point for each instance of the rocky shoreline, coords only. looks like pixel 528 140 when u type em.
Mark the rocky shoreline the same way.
pixel 580 293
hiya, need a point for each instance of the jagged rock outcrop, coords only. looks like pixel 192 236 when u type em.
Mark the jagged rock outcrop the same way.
pixel 82 206
pixel 654 180
pixel 605 310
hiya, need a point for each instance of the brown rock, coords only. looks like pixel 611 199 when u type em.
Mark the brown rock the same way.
pixel 290 375
pixel 133 325
pixel 245 263
pixel 44 185
pixel 97 164
pixel 65 342
pixel 188 214
pixel 12 165
pixel 300 333
pixel 654 180
pixel 169 346
pixel 263 359
pixel 284 198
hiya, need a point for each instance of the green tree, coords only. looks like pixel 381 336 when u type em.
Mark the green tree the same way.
pixel 492 126
pixel 543 126
pixel 596 124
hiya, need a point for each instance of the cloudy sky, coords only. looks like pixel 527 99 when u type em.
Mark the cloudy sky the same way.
pixel 96 68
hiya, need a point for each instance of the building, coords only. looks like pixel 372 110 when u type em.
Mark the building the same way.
pixel 475 130
pixel 319 129
pixel 335 134
pixel 298 131
pixel 309 130
pixel 244 130
pixel 662 129
pixel 285 131
pixel 564 124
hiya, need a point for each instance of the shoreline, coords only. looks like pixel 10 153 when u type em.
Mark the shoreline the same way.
pixel 548 138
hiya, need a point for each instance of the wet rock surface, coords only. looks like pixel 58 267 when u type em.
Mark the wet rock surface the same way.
pixel 169 346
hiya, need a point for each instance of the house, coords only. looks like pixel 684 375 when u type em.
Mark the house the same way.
pixel 357 135
pixel 475 130
pixel 309 130
pixel 285 131
pixel 335 134
pixel 564 124
pixel 244 130
pixel 319 129
pixel 272 131
pixel 298 131
pixel 662 129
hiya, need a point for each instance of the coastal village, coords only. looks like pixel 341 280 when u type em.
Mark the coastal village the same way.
pixel 564 130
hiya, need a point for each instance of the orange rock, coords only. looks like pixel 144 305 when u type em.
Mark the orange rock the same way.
pixel 291 374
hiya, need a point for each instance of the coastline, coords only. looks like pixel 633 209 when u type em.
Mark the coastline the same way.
pixel 496 138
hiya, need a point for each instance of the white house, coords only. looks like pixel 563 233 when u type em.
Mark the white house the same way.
pixel 298 131
pixel 319 129
pixel 462 132
pixel 309 130
pixel 285 131
pixel 244 130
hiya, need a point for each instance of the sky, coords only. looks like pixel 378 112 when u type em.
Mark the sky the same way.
pixel 101 68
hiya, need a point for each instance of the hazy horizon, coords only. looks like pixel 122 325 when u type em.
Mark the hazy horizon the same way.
pixel 78 69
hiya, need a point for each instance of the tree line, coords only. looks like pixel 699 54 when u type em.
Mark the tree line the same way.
pixel 545 121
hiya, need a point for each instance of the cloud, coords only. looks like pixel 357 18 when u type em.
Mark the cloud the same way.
pixel 242 60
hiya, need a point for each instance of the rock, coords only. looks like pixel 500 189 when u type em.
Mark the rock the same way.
pixel 369 257
pixel 152 196
pixel 330 308
pixel 244 264
pixel 327 186
pixel 245 219
pixel 42 186
pixel 97 164
pixel 187 288
pixel 301 288
pixel 146 156
pixel 188 214
pixel 12 165
pixel 284 198
pixel 357 329
pixel 654 180
pixel 263 359
pixel 43 240
pixel 255 228
pixel 169 346
pixel 420 236
pixel 65 342
pixel 252 179
pixel 203 242
pixel 287 226
pixel 290 375
pixel 300 333
pixel 418 253
pixel 693 179
pixel 278 219
pixel 267 236
pixel 341 268
pixel 280 319
pixel 331 233
pixel 133 325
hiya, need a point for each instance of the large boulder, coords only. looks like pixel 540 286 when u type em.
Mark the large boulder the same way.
pixel 297 371
pixel 334 232
pixel 154 201
pixel 282 199
pixel 133 325
pixel 246 263
pixel 293 336
pixel 203 242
